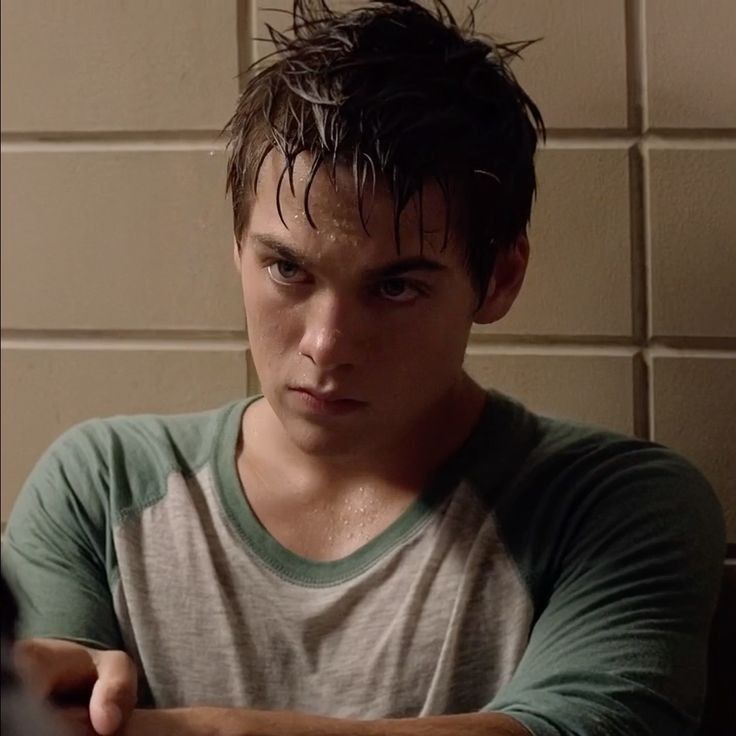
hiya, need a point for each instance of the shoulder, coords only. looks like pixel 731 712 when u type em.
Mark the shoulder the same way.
pixel 119 463
pixel 583 462
pixel 531 457
pixel 163 439
pixel 579 493
pixel 566 461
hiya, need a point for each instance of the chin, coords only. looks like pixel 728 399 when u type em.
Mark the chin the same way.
pixel 321 441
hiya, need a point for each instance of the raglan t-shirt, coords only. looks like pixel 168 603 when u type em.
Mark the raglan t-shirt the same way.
pixel 561 574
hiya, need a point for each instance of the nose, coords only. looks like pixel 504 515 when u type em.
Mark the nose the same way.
pixel 334 332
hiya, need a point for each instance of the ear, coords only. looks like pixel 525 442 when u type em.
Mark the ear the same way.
pixel 508 276
pixel 236 254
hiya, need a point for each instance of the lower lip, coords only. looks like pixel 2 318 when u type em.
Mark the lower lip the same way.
pixel 320 406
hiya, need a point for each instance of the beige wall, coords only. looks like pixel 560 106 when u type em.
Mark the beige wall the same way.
pixel 117 289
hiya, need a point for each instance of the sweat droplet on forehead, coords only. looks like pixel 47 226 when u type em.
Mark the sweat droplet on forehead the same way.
pixel 331 218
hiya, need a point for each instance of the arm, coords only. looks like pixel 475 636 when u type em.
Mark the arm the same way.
pixel 625 564
pixel 234 722
pixel 58 560
pixel 58 556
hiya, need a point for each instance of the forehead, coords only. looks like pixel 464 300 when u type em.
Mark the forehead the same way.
pixel 333 207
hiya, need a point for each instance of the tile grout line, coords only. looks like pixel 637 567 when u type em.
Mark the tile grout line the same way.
pixel 647 363
pixel 661 351
pixel 93 146
pixel 32 339
pixel 647 352
pixel 639 288
pixel 506 349
pixel 635 68
pixel 708 143
pixel 111 139
pixel 646 230
pixel 637 120
pixel 643 148
pixel 213 140
pixel 245 18
pixel 105 134
pixel 106 343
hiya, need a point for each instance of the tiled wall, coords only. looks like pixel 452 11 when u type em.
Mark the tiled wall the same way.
pixel 118 290
pixel 118 293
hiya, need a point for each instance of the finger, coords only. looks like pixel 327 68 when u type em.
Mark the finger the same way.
pixel 115 692
pixel 48 666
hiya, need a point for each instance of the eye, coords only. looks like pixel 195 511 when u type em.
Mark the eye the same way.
pixel 286 272
pixel 399 290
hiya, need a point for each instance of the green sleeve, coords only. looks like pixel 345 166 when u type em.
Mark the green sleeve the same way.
pixel 623 557
pixel 58 554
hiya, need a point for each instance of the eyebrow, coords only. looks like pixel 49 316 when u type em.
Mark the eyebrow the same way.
pixel 392 270
pixel 278 248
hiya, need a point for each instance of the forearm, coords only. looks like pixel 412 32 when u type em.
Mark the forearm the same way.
pixel 207 721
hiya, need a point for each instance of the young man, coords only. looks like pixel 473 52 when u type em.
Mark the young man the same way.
pixel 377 545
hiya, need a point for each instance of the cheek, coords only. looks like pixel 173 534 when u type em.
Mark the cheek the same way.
pixel 263 308
pixel 274 326
pixel 429 347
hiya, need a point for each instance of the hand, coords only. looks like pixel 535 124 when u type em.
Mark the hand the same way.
pixel 61 670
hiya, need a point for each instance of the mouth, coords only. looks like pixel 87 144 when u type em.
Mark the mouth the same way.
pixel 325 402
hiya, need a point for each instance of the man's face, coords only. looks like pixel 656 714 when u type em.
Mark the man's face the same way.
pixel 356 344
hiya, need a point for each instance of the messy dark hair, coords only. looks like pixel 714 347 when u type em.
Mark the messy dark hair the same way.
pixel 401 94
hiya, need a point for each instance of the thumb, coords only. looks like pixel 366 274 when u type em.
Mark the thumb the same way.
pixel 114 694
pixel 106 717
